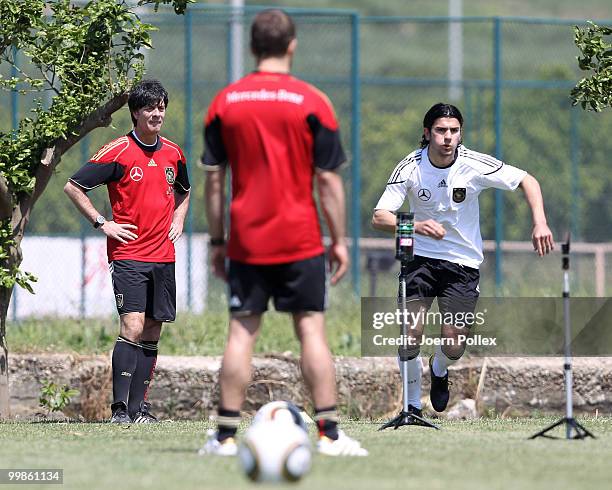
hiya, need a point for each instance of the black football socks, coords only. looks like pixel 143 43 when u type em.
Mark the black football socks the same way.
pixel 227 424
pixel 145 367
pixel 327 422
pixel 125 358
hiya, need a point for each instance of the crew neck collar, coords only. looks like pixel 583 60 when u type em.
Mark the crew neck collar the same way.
pixel 154 147
pixel 447 166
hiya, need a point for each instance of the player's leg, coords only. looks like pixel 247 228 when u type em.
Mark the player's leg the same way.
pixel 249 295
pixel 234 377
pixel 129 284
pixel 124 361
pixel 138 407
pixel 420 291
pixel 318 368
pixel 458 298
pixel 300 289
pixel 161 307
pixel 410 353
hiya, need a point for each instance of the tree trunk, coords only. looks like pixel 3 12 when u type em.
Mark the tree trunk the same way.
pixel 5 297
pixel 21 214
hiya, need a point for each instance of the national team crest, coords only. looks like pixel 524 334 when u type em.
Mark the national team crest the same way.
pixel 119 298
pixel 169 175
pixel 459 194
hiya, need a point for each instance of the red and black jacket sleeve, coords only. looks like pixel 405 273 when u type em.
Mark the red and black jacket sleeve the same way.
pixel 327 148
pixel 215 154
pixel 102 168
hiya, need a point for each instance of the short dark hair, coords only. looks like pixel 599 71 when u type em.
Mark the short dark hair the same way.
pixel 436 111
pixel 271 32
pixel 144 94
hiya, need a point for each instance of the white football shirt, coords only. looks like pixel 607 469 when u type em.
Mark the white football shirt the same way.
pixel 450 197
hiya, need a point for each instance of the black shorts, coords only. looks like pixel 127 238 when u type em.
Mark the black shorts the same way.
pixel 294 286
pixel 455 286
pixel 148 287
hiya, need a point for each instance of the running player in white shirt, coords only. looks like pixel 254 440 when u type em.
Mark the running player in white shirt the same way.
pixel 442 181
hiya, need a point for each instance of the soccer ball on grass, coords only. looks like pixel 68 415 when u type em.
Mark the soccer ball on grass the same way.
pixel 276 446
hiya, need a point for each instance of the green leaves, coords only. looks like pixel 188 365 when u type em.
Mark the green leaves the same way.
pixel 54 397
pixel 594 92
pixel 86 54
pixel 179 5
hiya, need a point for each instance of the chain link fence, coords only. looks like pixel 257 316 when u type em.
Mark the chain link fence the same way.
pixel 511 78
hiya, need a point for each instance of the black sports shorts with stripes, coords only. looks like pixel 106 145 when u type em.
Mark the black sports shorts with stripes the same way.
pixel 455 285
pixel 148 287
pixel 295 287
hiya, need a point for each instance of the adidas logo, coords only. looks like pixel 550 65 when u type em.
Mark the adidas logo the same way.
pixel 442 183
pixel 125 373
pixel 235 302
pixel 151 163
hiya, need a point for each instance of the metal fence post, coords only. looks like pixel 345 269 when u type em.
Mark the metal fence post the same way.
pixel 575 175
pixel 468 126
pixel 356 154
pixel 499 197
pixel 189 139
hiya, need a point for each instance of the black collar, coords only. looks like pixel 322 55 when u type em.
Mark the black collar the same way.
pixel 142 146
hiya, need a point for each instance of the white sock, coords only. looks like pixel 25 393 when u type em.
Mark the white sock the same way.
pixel 441 362
pixel 415 370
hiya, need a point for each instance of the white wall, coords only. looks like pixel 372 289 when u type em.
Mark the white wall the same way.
pixel 57 263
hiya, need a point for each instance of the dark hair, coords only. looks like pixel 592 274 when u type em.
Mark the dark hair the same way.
pixel 436 111
pixel 144 94
pixel 271 32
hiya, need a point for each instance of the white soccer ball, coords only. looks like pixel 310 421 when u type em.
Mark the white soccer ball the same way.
pixel 275 451
pixel 280 411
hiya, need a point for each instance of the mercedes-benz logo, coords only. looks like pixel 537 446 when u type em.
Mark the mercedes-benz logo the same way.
pixel 136 174
pixel 424 194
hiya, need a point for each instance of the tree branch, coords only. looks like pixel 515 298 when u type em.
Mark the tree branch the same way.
pixel 51 157
pixel 101 117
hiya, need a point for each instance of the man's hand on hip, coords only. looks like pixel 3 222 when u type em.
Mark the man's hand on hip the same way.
pixel 119 231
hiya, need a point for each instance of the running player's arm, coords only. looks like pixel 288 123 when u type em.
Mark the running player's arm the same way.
pixel 397 187
pixel 88 177
pixel 507 177
pixel 541 236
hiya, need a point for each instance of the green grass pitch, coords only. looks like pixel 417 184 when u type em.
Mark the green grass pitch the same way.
pixel 480 454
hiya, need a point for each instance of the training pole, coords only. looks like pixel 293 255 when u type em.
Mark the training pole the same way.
pixel 404 252
pixel 573 429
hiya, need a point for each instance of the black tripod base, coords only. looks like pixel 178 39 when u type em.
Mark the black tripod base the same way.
pixel 406 418
pixel 570 423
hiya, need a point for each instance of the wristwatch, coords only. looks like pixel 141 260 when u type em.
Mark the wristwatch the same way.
pixel 100 220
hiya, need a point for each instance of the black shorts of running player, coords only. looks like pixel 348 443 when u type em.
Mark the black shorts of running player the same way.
pixel 148 287
pixel 455 285
pixel 294 286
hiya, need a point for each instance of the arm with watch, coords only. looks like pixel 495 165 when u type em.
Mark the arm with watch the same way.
pixel 214 190
pixel 122 232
